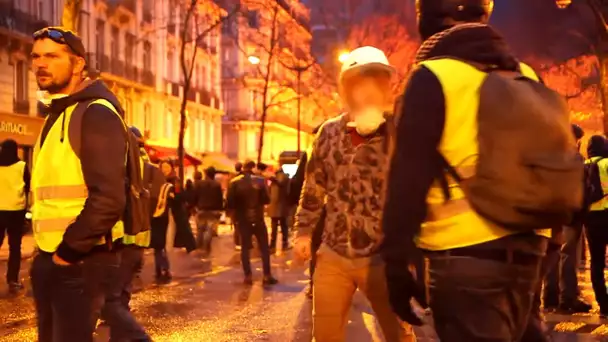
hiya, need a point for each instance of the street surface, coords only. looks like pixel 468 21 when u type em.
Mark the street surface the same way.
pixel 207 302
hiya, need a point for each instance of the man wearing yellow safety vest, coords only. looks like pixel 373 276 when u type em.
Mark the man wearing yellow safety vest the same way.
pixel 14 186
pixel 596 221
pixel 116 312
pixel 78 190
pixel 480 269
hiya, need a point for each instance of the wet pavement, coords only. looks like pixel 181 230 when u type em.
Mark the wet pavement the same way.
pixel 208 302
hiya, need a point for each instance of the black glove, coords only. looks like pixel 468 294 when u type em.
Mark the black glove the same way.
pixel 402 287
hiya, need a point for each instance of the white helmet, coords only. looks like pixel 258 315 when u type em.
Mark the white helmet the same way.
pixel 366 57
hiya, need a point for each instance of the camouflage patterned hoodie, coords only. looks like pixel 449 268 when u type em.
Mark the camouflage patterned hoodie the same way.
pixel 349 181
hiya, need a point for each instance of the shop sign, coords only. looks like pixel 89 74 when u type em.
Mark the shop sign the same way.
pixel 23 129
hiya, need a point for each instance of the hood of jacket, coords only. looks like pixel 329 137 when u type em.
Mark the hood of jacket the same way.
pixel 88 90
pixel 8 153
pixel 472 42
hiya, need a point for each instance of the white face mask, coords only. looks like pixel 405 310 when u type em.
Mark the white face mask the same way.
pixel 368 120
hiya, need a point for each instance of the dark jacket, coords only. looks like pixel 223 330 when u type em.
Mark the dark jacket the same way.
pixel 297 182
pixel 99 139
pixel 279 196
pixel 419 129
pixel 247 195
pixel 208 195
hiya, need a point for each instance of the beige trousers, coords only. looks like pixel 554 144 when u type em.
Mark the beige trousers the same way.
pixel 335 281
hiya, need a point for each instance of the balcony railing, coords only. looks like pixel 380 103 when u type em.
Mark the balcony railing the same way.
pixel 21 106
pixel 118 68
pixel 205 97
pixel 148 78
pixel 19 21
pixel 131 72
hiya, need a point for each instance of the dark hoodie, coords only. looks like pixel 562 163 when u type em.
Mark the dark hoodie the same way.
pixel 99 139
pixel 420 131
pixel 9 155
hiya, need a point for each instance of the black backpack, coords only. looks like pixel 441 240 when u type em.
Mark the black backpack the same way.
pixel 593 185
pixel 137 212
pixel 528 172
pixel 136 217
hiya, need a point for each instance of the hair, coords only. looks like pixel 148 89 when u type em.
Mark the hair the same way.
pixel 210 172
pixel 249 165
pixel 262 167
pixel 198 175
pixel 238 167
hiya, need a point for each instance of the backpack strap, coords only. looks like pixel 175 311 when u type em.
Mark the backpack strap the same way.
pixel 443 180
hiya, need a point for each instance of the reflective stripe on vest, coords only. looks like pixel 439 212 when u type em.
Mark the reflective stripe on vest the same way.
pixel 162 199
pixel 454 224
pixel 58 188
pixel 12 187
pixel 602 166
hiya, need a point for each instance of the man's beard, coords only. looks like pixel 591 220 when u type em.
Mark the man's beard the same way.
pixel 54 87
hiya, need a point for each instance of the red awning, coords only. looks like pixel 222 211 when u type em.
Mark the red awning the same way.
pixel 158 153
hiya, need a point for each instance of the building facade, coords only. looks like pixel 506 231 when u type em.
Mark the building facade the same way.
pixel 263 49
pixel 135 47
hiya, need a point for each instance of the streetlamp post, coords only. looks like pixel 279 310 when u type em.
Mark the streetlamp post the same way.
pixel 299 70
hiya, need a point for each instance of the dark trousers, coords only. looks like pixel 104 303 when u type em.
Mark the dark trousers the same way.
pixel 536 330
pixel 597 236
pixel 69 299
pixel 206 225
pixel 248 230
pixel 561 280
pixel 479 299
pixel 275 222
pixel 116 312
pixel 11 224
pixel 236 234
pixel 161 261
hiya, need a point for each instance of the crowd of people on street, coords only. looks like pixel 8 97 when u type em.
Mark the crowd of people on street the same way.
pixel 447 197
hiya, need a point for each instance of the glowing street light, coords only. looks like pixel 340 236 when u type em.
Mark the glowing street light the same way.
pixel 255 60
pixel 343 56
pixel 563 3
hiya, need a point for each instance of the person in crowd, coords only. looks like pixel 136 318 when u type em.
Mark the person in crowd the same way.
pixel 561 291
pixel 480 275
pixel 160 224
pixel 278 209
pixel 596 222
pixel 295 191
pixel 116 311
pixel 345 177
pixel 15 187
pixel 247 195
pixel 76 226
pixel 238 169
pixel 209 203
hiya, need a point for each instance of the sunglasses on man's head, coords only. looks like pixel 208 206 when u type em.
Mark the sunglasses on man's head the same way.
pixel 56 35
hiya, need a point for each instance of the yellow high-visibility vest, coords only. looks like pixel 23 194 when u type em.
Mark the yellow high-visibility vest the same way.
pixel 602 165
pixel 161 206
pixel 58 187
pixel 12 187
pixel 454 224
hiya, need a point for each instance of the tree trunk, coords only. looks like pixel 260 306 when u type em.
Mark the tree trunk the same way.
pixel 71 14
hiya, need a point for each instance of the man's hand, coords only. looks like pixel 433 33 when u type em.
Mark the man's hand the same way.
pixel 402 287
pixel 302 248
pixel 58 261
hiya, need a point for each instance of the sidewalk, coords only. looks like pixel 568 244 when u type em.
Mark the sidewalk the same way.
pixel 27 248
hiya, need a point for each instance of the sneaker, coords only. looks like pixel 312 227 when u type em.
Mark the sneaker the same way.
pixel 270 280
pixel 248 280
pixel 577 306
